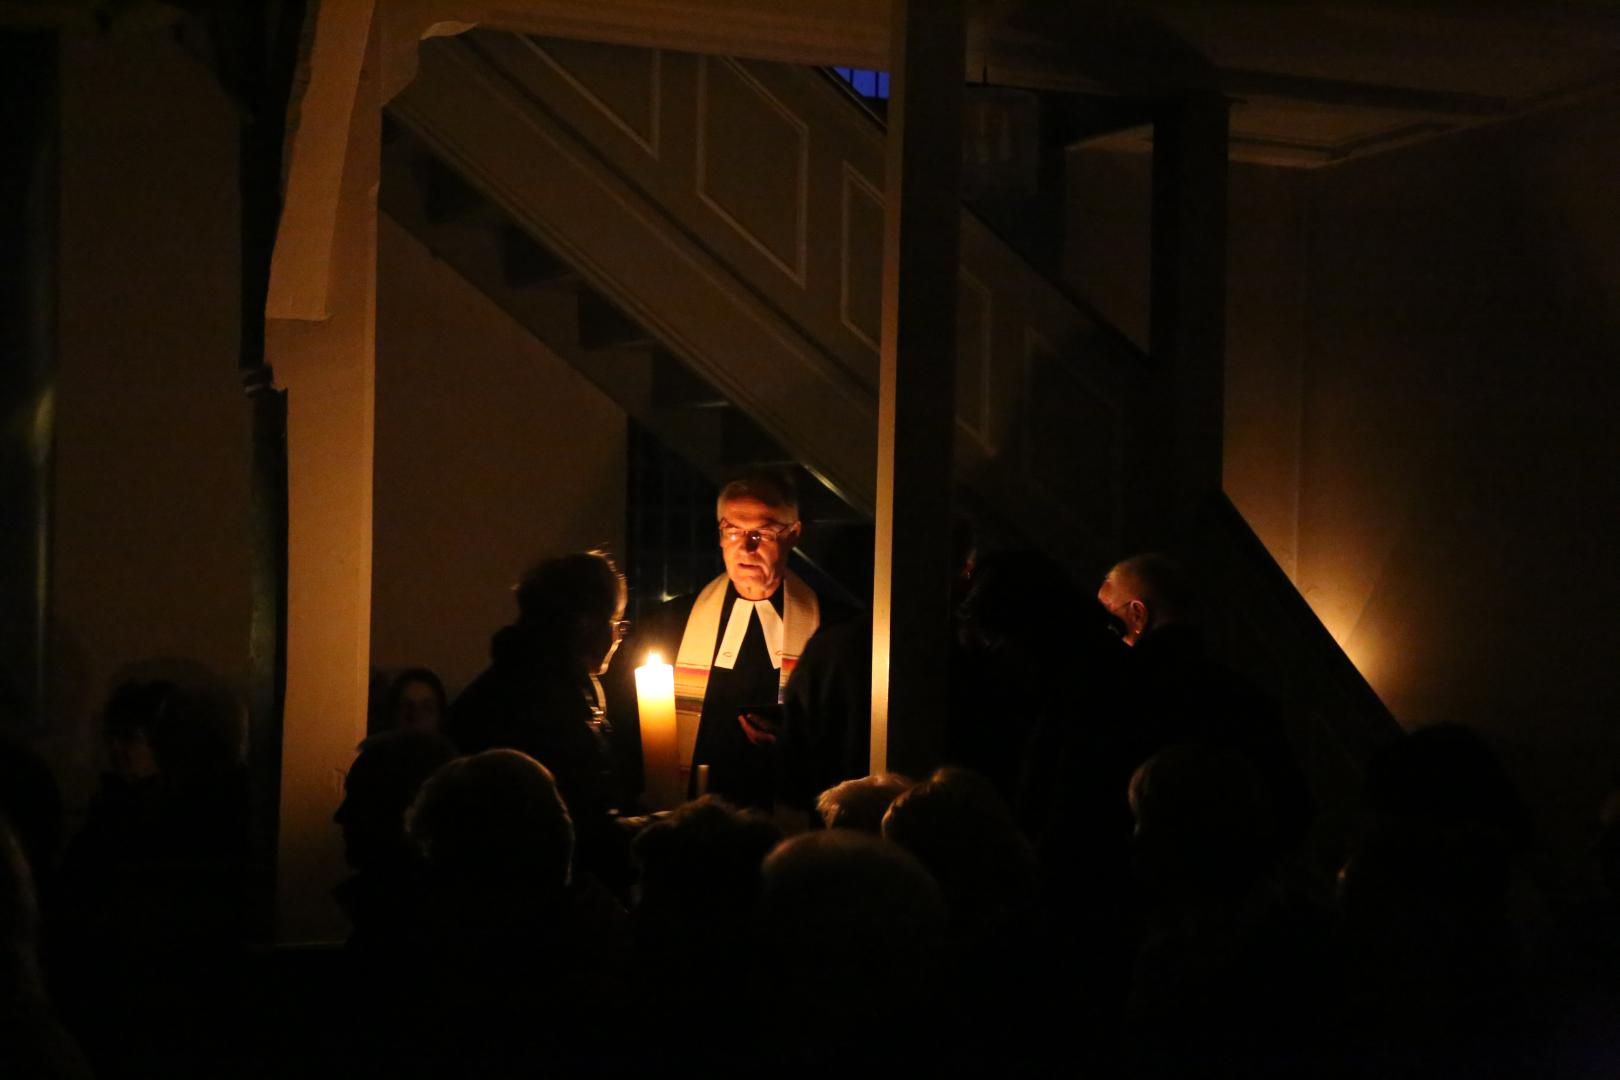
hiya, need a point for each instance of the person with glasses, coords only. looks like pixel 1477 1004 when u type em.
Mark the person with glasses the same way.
pixel 733 644
pixel 541 695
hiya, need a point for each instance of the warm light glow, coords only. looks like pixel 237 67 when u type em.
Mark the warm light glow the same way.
pixel 1361 649
pixel 655 696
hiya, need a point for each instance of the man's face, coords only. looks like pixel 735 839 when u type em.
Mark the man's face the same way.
pixel 596 640
pixel 1128 612
pixel 756 559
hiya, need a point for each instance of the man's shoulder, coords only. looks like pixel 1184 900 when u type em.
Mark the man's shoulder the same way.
pixel 842 625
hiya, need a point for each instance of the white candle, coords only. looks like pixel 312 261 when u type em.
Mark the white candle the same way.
pixel 655 694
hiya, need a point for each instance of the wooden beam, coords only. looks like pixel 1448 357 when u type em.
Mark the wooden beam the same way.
pixel 329 372
pixel 916 384
pixel 318 121
pixel 852 33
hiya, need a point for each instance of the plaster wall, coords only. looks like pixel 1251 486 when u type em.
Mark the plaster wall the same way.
pixel 149 553
pixel 491 453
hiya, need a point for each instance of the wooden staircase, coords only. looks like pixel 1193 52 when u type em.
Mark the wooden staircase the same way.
pixel 657 389
pixel 702 239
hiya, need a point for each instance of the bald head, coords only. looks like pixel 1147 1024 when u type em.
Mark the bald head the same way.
pixel 1145 592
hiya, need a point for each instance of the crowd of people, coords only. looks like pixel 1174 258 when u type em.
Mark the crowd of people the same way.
pixel 1116 869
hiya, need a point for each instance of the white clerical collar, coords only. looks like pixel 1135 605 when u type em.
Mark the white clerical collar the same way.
pixel 742 612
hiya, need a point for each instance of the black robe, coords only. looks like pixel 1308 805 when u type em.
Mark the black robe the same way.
pixel 739 771
pixel 827 714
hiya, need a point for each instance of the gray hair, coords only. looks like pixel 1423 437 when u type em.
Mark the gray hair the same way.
pixel 774 489
pixel 1162 584
pixel 861 803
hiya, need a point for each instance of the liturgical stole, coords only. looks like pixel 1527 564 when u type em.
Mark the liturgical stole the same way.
pixel 785 638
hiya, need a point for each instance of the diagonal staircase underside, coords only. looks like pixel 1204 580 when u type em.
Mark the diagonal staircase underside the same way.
pixel 703 238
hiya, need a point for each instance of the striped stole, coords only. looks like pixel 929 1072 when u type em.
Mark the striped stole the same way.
pixel 801 615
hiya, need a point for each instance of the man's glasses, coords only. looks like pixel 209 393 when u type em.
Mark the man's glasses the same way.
pixel 770 534
pixel 621 629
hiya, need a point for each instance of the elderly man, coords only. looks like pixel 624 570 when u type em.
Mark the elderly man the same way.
pixel 733 644
pixel 1174 691
pixel 1146 593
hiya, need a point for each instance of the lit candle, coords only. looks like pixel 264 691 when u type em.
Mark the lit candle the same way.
pixel 655 693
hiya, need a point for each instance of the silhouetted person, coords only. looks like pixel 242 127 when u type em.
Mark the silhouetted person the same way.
pixel 860 804
pixel 415 701
pixel 826 735
pixel 961 830
pixel 148 921
pixel 32 1042
pixel 520 967
pixel 696 896
pixel 1234 975
pixel 827 704
pixel 1036 671
pixel 380 897
pixel 1037 712
pixel 958 826
pixel 1174 691
pixel 1608 846
pixel 540 695
pixel 30 797
pixel 1435 963
pixel 850 931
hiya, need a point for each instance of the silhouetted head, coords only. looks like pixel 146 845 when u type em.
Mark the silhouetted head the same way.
pixel 1204 822
pixel 493 821
pixel 844 916
pixel 574 605
pixel 1146 592
pixel 1443 822
pixel 416 701
pixel 380 785
pixel 861 803
pixel 30 797
pixel 1448 774
pixel 758 519
pixel 958 826
pixel 1020 603
pixel 702 864
pixel 181 724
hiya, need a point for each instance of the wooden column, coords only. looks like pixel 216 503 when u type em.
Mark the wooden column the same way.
pixel 328 369
pixel 916 385
pixel 1188 321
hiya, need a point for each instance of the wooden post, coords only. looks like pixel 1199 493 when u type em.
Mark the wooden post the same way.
pixel 328 368
pixel 916 384
pixel 1188 320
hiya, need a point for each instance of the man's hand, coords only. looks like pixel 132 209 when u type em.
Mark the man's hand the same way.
pixel 757 728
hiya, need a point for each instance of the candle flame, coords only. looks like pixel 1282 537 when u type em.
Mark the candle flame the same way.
pixel 655 657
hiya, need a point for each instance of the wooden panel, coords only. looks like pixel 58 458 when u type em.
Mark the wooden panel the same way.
pixel 1072 441
pixel 860 262
pixel 746 201
pixel 670 281
pixel 753 163
pixel 623 84
pixel 973 356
